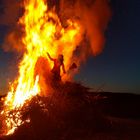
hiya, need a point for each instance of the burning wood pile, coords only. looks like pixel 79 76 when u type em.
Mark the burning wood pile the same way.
pixel 43 33
pixel 64 114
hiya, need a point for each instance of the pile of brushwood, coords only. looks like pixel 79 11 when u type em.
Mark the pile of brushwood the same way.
pixel 71 112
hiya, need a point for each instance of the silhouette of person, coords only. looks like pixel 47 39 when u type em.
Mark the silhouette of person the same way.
pixel 58 63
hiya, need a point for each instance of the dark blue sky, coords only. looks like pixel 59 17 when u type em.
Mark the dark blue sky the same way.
pixel 116 69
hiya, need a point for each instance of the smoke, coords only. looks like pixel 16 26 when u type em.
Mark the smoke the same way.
pixel 94 16
pixel 13 42
pixel 9 12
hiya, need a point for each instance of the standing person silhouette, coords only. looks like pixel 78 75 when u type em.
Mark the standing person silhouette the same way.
pixel 58 63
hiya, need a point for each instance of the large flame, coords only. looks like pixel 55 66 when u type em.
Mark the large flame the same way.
pixel 43 33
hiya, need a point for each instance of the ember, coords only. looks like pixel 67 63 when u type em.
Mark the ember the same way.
pixel 43 33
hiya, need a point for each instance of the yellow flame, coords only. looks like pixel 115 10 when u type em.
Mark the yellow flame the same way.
pixel 43 33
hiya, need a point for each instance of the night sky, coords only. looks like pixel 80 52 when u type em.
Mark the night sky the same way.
pixel 116 69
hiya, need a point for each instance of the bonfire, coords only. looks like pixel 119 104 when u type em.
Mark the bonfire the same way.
pixel 42 32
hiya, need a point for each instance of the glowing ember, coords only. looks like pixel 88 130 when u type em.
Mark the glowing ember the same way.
pixel 43 33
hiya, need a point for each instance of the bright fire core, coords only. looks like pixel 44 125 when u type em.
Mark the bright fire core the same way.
pixel 43 32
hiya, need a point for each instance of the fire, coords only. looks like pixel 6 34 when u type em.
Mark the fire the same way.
pixel 43 32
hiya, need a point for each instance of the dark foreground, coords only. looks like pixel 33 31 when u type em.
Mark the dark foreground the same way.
pixel 74 113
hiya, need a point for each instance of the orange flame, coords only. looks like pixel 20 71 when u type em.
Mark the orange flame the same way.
pixel 43 33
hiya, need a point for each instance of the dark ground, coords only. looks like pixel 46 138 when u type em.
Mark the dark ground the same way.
pixel 75 113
